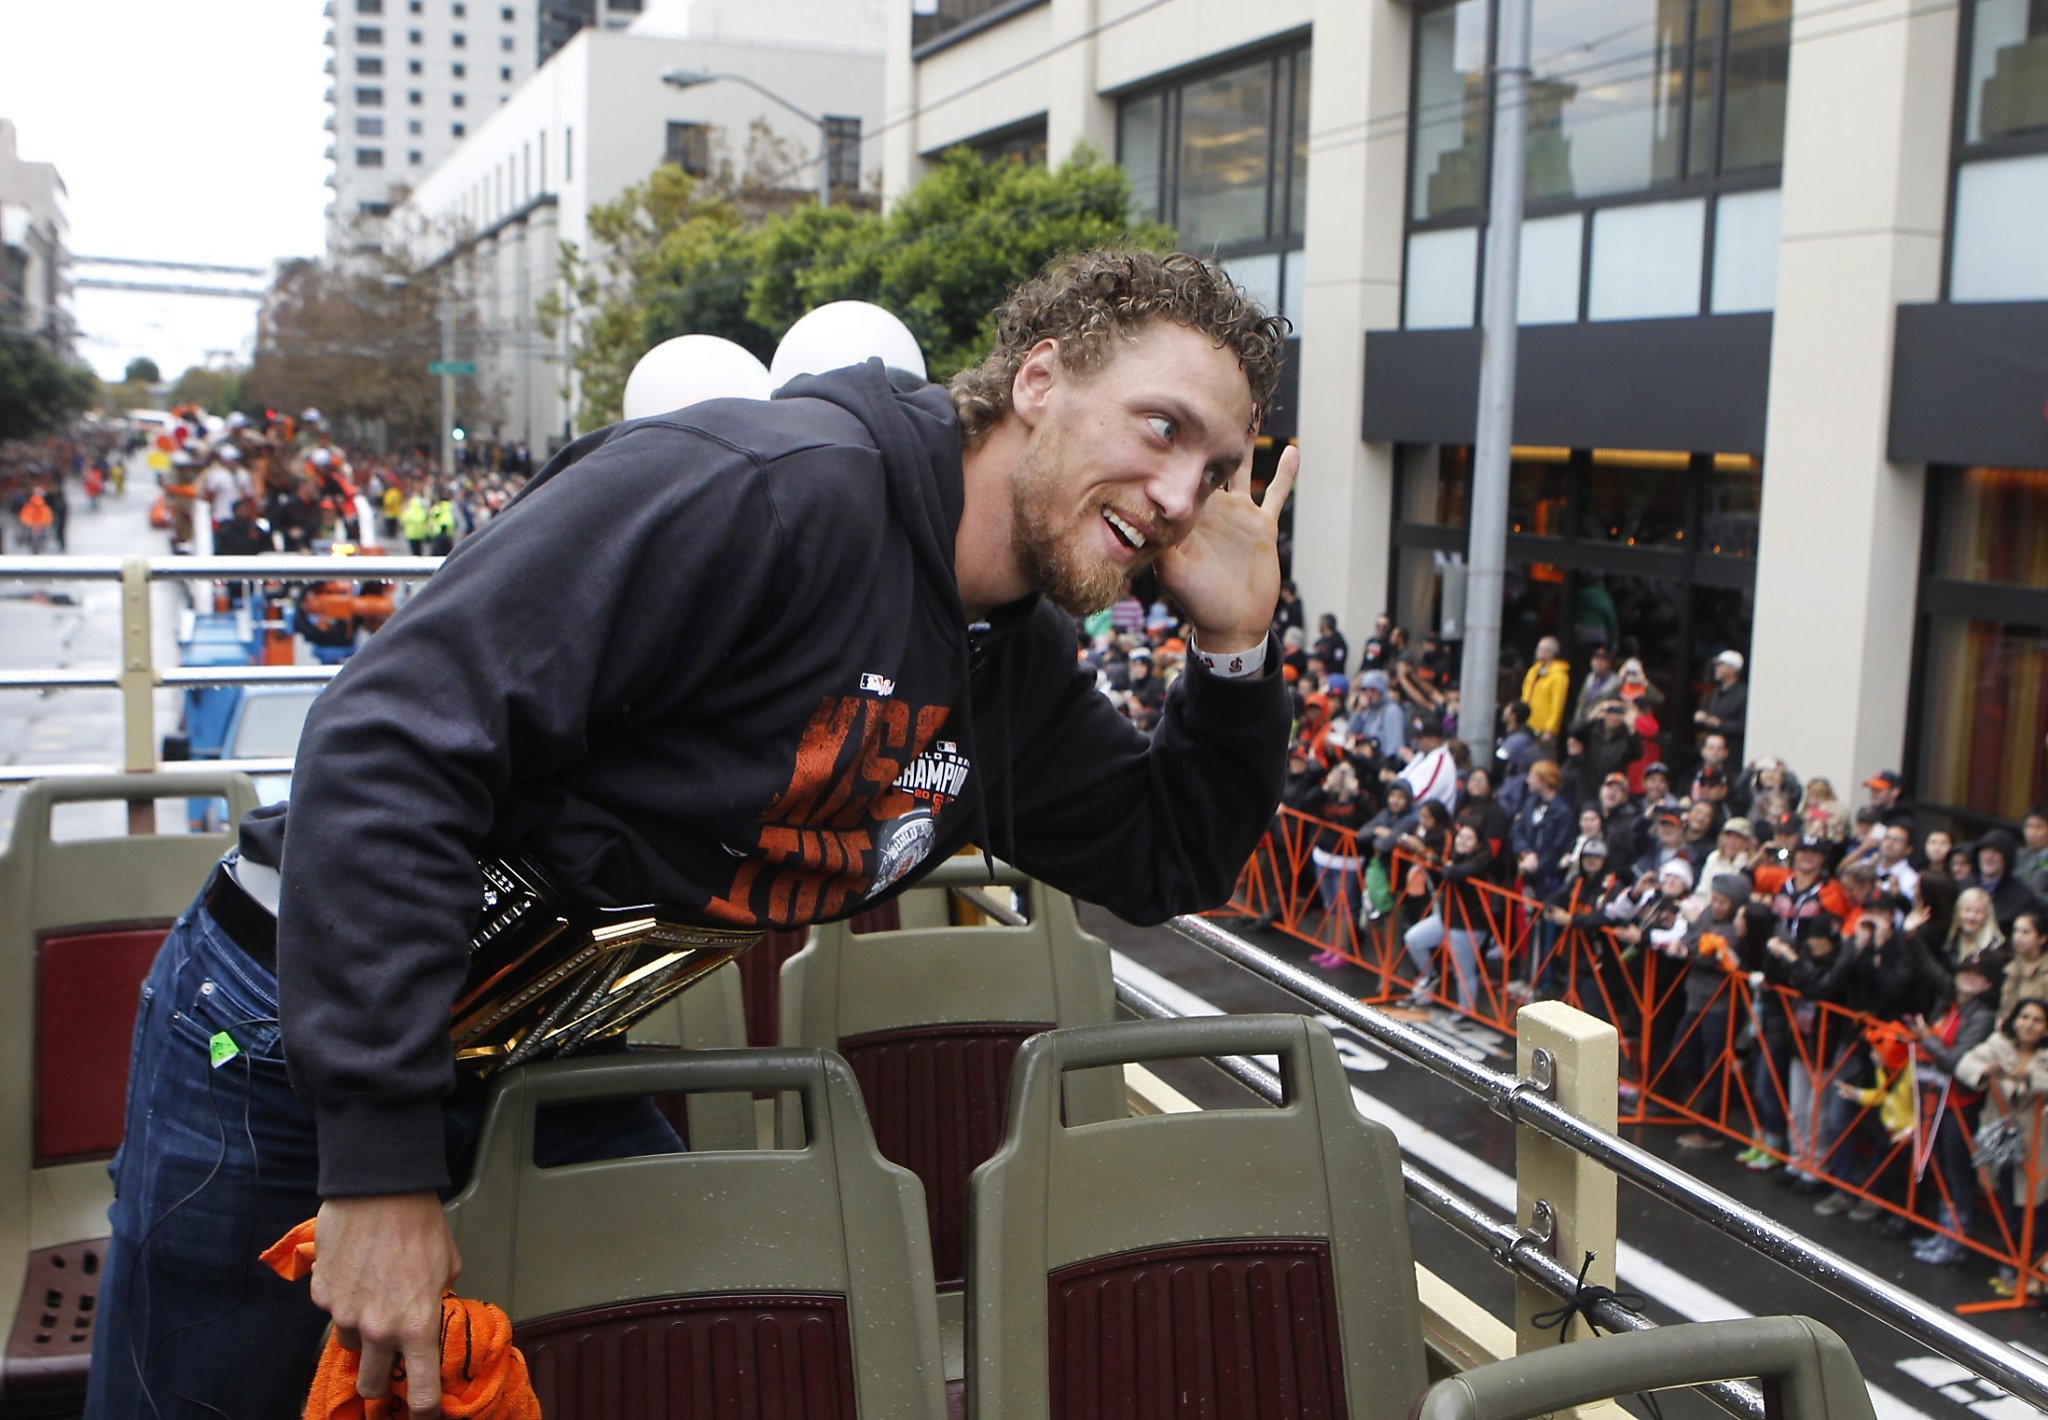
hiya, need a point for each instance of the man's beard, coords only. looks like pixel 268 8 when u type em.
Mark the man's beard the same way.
pixel 1072 580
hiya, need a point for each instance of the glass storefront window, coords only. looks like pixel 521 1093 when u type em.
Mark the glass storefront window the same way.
pixel 2008 81
pixel 1759 62
pixel 1607 96
pixel 1984 712
pixel 1536 495
pixel 1731 506
pixel 1449 164
pixel 1226 136
pixel 1635 506
pixel 1993 526
pixel 1436 482
pixel 1140 124
pixel 1297 180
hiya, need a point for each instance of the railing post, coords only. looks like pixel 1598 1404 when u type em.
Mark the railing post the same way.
pixel 1559 1190
pixel 138 686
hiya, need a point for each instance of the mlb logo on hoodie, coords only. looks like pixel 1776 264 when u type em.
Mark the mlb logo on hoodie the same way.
pixel 878 684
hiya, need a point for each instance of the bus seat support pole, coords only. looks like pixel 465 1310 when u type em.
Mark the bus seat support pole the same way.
pixel 1577 1196
pixel 138 687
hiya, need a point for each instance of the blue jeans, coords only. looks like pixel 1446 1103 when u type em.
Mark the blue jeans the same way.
pixel 1426 936
pixel 216 1164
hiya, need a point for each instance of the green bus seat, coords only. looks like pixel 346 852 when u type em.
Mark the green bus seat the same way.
pixel 930 1019
pixel 82 923
pixel 1806 1368
pixel 710 1015
pixel 706 1285
pixel 1234 1261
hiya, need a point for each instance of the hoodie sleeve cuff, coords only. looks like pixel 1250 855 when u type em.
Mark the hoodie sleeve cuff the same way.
pixel 376 1147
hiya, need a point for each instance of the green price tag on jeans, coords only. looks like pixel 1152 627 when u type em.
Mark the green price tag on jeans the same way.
pixel 222 1048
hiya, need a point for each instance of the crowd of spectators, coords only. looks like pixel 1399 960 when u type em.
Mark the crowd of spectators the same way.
pixel 1869 940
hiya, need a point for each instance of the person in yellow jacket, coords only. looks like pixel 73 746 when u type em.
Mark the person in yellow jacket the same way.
pixel 1543 689
pixel 441 525
pixel 413 519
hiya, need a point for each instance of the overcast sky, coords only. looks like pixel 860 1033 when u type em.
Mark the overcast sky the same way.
pixel 184 130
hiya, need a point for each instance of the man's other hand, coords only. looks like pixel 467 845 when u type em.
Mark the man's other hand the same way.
pixel 1226 573
pixel 381 1267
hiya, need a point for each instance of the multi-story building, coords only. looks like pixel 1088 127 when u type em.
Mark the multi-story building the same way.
pixel 408 80
pixel 598 118
pixel 560 20
pixel 1784 312
pixel 35 259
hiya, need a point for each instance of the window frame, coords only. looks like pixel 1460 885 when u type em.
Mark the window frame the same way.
pixel 1961 151
pixel 1709 187
pixel 1283 58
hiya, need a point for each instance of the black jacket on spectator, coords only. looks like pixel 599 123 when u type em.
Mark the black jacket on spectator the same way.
pixel 1606 752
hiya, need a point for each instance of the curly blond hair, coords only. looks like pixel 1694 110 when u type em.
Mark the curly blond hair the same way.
pixel 1087 299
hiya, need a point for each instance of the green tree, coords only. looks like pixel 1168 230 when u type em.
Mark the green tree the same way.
pixel 38 391
pixel 142 371
pixel 355 344
pixel 945 256
pixel 672 257
pixel 215 391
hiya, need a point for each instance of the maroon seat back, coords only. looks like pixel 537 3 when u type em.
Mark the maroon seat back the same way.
pixel 938 1097
pixel 1218 1328
pixel 695 1358
pixel 87 983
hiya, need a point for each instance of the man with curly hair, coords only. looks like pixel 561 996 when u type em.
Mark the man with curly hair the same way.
pixel 761 662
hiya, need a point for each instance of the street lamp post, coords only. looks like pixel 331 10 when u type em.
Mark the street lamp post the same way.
pixel 691 78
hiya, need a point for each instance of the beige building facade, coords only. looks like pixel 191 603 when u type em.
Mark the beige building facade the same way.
pixel 1784 350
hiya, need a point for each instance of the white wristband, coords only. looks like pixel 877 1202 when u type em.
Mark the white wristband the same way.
pixel 1238 665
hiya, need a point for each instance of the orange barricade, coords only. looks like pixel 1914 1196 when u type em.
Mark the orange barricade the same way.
pixel 1830 1092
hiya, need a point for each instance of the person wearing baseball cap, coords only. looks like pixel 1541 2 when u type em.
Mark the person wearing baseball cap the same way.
pixel 1886 789
pixel 1727 707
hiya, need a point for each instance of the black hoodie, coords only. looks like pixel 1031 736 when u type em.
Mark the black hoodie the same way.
pixel 718 660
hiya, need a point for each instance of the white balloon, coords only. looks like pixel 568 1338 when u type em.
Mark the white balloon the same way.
pixel 844 333
pixel 689 369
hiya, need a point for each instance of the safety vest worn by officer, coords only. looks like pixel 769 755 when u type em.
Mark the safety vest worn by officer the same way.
pixel 414 518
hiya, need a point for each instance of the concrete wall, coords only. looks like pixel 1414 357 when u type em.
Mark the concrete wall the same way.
pixel 1866 173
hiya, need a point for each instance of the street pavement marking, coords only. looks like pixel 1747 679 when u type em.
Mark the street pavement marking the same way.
pixel 1643 1273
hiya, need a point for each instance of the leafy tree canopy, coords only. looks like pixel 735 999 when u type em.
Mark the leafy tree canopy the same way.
pixel 214 390
pixel 142 371
pixel 38 391
pixel 671 257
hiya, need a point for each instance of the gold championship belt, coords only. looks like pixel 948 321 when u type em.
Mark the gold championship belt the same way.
pixel 550 976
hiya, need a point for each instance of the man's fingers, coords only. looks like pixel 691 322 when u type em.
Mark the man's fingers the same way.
pixel 373 1372
pixel 1282 485
pixel 423 1376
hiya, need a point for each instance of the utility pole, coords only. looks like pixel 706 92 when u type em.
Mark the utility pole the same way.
pixel 447 370
pixel 1486 554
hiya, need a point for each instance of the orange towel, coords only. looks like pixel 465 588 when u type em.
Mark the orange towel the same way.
pixel 483 1376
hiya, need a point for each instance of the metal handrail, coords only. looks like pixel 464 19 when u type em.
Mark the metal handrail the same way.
pixel 1518 1100
pixel 275 567
pixel 1508 1245
pixel 137 676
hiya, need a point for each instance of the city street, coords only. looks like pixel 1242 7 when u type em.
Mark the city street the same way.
pixel 77 626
